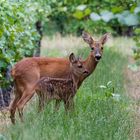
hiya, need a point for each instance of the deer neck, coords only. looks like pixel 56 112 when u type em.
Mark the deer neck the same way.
pixel 90 63
pixel 75 79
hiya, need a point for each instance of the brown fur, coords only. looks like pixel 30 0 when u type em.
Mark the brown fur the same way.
pixel 29 70
pixel 58 89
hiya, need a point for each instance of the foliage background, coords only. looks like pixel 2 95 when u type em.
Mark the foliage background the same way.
pixel 18 35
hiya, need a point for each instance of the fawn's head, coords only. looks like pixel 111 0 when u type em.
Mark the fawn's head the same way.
pixel 96 46
pixel 77 66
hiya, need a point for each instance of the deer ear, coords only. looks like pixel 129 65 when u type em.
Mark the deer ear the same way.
pixel 104 38
pixel 72 58
pixel 87 38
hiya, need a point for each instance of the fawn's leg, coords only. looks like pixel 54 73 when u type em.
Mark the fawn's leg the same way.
pixel 57 105
pixel 69 104
pixel 72 104
pixel 41 101
pixel 66 105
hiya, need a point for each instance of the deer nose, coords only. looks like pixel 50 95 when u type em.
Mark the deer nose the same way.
pixel 86 71
pixel 98 56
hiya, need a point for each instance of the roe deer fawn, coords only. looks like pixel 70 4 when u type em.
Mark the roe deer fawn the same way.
pixel 29 70
pixel 60 88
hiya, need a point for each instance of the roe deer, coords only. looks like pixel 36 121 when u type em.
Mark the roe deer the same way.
pixel 29 70
pixel 60 88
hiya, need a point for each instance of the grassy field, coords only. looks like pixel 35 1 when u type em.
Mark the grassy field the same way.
pixel 98 114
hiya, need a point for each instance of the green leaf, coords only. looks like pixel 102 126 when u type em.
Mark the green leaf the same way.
pixel 3 64
pixel 107 16
pixel 87 12
pixel 137 10
pixel 127 18
pixel 117 9
pixel 131 20
pixel 137 31
pixel 95 16
pixel 81 7
pixel 78 14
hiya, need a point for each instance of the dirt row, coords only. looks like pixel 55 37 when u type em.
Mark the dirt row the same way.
pixel 132 85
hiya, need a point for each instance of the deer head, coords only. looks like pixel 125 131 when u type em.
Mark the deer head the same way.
pixel 96 46
pixel 77 66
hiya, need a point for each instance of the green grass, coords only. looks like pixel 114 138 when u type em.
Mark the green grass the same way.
pixel 96 116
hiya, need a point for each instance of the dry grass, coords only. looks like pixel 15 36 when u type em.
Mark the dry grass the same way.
pixel 4 119
pixel 62 46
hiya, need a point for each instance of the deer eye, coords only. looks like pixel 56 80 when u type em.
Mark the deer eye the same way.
pixel 92 48
pixel 102 48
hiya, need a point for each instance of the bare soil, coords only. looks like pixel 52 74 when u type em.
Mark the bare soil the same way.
pixel 132 80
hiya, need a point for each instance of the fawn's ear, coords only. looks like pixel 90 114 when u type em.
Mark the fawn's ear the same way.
pixel 104 38
pixel 87 38
pixel 72 58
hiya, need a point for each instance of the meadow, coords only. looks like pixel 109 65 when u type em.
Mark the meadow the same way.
pixel 102 107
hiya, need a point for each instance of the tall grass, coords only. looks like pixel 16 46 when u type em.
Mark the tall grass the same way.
pixel 96 116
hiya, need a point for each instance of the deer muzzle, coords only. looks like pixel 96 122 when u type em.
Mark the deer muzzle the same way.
pixel 97 57
pixel 86 72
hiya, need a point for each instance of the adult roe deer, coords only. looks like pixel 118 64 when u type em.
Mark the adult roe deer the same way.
pixel 29 70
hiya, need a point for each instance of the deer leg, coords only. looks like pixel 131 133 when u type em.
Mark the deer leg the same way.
pixel 13 108
pixel 13 105
pixel 41 101
pixel 57 105
pixel 69 104
pixel 27 95
pixel 72 104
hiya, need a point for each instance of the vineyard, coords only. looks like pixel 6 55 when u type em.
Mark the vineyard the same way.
pixel 107 102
